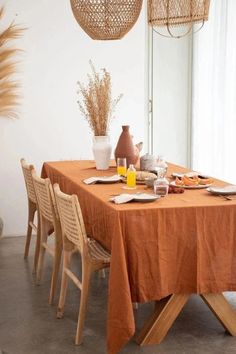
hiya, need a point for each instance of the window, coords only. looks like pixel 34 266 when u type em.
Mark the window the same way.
pixel 214 93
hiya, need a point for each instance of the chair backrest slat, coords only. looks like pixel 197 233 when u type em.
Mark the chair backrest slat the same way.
pixel 44 197
pixel 72 222
pixel 27 170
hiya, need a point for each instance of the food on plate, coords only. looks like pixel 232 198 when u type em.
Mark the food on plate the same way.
pixel 178 181
pixel 143 175
pixel 175 190
pixel 193 181
pixel 205 180
pixel 190 181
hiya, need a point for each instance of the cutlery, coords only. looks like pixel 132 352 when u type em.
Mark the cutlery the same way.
pixel 226 197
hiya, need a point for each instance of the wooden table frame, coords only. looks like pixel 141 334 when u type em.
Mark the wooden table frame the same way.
pixel 167 310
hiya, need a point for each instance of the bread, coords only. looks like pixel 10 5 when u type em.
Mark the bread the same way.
pixel 143 175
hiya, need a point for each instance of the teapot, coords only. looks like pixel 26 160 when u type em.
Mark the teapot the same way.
pixel 148 162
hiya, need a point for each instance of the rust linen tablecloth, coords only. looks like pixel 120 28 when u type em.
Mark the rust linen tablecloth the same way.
pixel 183 243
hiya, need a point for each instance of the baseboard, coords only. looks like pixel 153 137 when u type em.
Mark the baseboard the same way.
pixel 15 235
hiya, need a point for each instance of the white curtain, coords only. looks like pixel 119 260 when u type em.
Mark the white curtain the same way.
pixel 214 93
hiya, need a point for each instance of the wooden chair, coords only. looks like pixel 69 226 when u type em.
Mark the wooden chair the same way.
pixel 32 209
pixel 94 257
pixel 49 221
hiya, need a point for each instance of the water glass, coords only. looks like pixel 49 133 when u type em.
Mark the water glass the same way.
pixel 161 166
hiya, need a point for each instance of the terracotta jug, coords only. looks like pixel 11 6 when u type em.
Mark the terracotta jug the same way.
pixel 126 148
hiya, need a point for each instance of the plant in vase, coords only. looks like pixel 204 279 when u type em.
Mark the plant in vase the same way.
pixel 9 97
pixel 8 86
pixel 96 104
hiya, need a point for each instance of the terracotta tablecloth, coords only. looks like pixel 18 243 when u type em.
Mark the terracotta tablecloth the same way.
pixel 183 243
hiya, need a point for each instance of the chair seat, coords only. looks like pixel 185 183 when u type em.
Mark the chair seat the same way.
pixel 97 252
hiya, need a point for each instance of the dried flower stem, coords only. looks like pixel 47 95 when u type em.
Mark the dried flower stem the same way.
pixel 96 104
pixel 8 88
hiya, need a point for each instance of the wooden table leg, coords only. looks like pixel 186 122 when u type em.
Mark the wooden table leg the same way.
pixel 166 311
pixel 222 310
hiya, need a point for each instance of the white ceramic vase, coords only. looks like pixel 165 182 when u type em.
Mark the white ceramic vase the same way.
pixel 102 152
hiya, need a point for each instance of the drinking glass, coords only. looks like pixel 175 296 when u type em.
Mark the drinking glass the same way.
pixel 121 166
pixel 161 167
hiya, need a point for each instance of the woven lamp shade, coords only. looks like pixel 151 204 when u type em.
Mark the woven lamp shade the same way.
pixel 177 12
pixel 106 19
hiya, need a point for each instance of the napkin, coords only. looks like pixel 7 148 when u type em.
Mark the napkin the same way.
pixel 109 179
pixel 122 198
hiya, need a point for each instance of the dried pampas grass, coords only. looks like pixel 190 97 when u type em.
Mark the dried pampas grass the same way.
pixel 95 101
pixel 9 97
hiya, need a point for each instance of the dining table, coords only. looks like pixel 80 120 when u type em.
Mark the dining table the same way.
pixel 162 251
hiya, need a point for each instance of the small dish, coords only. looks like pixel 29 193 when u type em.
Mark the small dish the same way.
pixel 124 180
pixel 142 177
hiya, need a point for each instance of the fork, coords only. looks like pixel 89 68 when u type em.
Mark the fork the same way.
pixel 226 197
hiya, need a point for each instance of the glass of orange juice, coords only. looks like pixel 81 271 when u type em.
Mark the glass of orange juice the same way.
pixel 121 166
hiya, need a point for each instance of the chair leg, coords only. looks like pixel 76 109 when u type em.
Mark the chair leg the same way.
pixel 31 213
pixel 64 283
pixel 37 246
pixel 86 275
pixel 43 239
pixel 56 268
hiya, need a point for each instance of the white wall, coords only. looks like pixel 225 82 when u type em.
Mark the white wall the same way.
pixel 171 97
pixel 56 56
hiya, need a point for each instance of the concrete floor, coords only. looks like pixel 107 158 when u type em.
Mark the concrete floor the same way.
pixel 28 325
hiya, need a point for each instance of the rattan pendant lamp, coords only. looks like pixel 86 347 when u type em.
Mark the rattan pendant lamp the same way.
pixel 177 13
pixel 106 19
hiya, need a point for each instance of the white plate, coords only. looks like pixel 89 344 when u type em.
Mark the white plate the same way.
pixel 137 197
pixel 104 180
pixel 189 174
pixel 109 180
pixel 124 179
pixel 144 197
pixel 196 186
pixel 227 190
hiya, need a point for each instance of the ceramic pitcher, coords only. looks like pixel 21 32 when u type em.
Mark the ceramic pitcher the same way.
pixel 126 148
